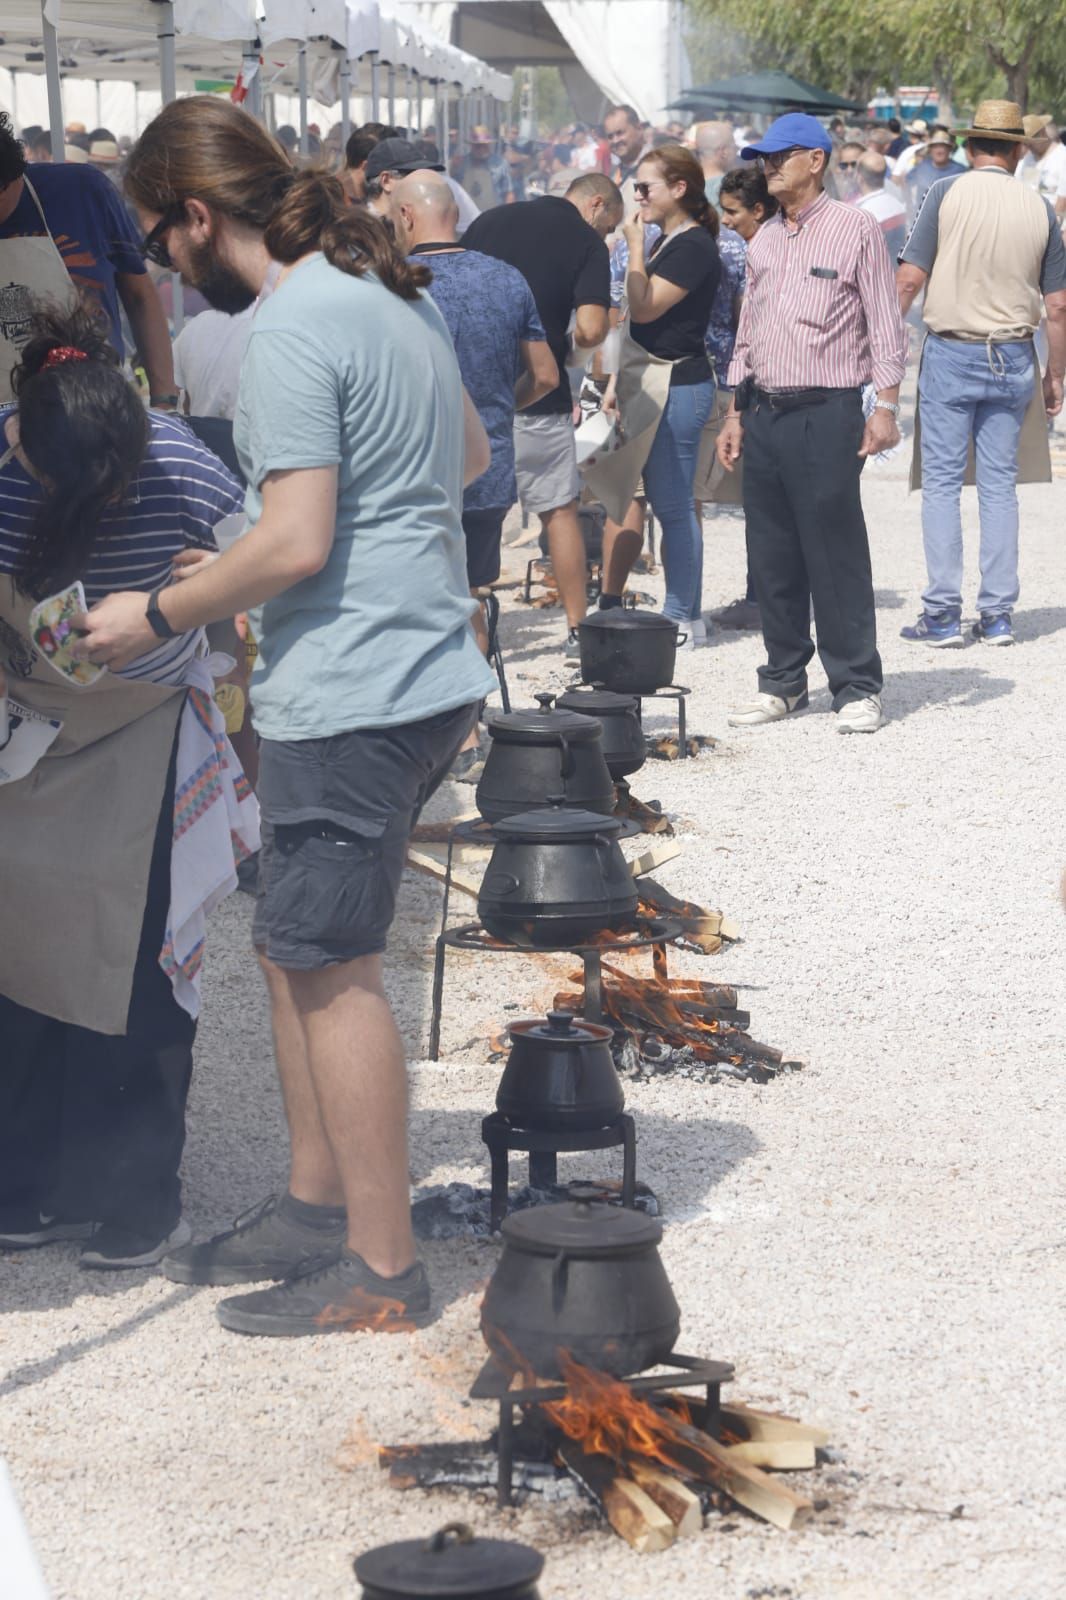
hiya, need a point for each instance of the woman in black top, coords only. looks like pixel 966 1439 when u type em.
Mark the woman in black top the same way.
pixel 670 295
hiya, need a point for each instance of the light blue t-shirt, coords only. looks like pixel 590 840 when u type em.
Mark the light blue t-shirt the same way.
pixel 341 372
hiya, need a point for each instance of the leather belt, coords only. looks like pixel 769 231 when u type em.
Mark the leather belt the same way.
pixel 793 399
pixel 982 338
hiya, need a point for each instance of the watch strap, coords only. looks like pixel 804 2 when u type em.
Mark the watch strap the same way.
pixel 156 620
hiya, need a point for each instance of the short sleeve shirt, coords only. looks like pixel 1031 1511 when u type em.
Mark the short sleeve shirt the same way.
pixel 690 261
pixel 565 263
pixel 340 372
pixel 721 328
pixel 93 231
pixel 180 493
pixel 465 285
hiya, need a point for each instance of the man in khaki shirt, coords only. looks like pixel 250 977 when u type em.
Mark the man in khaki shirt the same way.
pixel 990 256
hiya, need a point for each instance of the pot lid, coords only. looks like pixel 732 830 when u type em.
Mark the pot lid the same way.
pixel 557 821
pixel 561 1028
pixel 584 1227
pixel 598 703
pixel 452 1563
pixel 627 619
pixel 539 727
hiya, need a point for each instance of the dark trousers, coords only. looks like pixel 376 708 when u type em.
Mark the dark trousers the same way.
pixel 807 541
pixel 92 1126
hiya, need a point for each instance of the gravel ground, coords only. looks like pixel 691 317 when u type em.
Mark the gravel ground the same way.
pixel 876 1242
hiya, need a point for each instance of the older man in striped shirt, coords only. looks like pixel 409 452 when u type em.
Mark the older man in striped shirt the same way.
pixel 819 321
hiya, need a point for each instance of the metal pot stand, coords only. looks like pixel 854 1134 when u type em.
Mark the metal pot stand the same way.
pixel 674 691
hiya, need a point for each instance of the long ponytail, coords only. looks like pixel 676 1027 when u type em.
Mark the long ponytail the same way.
pixel 313 215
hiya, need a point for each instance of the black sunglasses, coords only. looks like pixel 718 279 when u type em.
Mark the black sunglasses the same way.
pixel 154 247
pixel 847 166
pixel 777 158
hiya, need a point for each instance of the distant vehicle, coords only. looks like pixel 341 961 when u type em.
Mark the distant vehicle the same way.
pixel 909 101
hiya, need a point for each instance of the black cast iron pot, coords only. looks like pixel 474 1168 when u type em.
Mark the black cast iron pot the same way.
pixel 555 878
pixel 534 754
pixel 624 748
pixel 560 1074
pixel 585 1279
pixel 629 651
pixel 452 1563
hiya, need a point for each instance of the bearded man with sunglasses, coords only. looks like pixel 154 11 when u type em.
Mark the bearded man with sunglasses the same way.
pixel 819 321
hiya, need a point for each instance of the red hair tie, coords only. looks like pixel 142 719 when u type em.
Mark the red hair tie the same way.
pixel 64 352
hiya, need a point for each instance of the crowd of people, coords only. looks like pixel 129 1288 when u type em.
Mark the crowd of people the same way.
pixel 387 346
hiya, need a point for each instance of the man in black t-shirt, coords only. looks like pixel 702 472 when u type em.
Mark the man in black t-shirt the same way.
pixel 556 242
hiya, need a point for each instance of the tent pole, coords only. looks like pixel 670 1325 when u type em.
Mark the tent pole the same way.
pixel 375 103
pixel 55 88
pixel 418 100
pixel 346 98
pixel 14 99
pixel 168 88
pixel 250 64
pixel 391 80
pixel 409 118
pixel 305 146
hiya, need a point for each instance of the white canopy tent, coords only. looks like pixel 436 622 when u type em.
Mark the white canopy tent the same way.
pixel 325 50
pixel 609 52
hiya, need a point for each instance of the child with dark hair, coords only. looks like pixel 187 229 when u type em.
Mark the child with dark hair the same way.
pixel 118 831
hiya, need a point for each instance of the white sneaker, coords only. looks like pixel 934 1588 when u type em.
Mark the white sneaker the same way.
pixel 697 632
pixel 766 708
pixel 861 716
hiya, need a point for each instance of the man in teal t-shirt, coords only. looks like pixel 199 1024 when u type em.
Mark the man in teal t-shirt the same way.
pixel 356 437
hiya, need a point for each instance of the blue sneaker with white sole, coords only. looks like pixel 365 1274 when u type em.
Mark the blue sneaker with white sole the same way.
pixel 993 630
pixel 942 630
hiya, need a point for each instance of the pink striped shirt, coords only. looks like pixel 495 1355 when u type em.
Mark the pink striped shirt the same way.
pixel 797 331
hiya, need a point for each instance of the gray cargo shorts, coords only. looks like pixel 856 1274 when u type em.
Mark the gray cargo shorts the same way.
pixel 337 814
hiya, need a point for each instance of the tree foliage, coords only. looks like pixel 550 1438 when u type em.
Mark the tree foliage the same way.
pixel 969 50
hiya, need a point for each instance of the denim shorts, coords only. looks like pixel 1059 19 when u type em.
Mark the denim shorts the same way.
pixel 337 815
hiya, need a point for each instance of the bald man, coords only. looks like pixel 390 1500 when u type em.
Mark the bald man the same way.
pixel 882 201
pixel 500 341
pixel 716 152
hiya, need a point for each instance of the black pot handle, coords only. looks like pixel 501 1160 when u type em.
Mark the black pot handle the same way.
pixel 681 639
pixel 559 1277
pixel 499 883
pixel 567 765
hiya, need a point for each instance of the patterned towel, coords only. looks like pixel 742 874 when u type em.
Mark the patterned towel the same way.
pixel 216 825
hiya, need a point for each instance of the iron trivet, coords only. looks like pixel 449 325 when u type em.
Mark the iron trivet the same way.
pixel 545 1145
pixel 494 1381
pixel 652 933
pixel 673 691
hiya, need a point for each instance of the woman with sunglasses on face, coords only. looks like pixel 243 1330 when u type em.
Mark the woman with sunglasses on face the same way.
pixel 670 293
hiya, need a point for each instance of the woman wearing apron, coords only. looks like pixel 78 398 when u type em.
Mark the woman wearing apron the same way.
pixel 106 786
pixel 665 384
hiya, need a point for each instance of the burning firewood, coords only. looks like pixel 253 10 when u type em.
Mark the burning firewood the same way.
pixel 670 1495
pixel 667 748
pixel 631 1512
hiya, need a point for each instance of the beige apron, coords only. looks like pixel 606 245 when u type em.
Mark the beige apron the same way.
pixel 642 389
pixel 1034 451
pixel 76 833
pixel 31 270
pixel 714 485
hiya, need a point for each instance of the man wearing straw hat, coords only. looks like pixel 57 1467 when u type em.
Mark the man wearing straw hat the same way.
pixel 990 256
pixel 1044 165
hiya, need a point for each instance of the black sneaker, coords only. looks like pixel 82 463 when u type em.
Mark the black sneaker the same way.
pixel 267 1241
pixel 113 1249
pixel 248 874
pixel 740 615
pixel 31 1231
pixel 338 1296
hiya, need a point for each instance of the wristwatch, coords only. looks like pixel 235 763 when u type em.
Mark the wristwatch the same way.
pixel 156 619
pixel 887 405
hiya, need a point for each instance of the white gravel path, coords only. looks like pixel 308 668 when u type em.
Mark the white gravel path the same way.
pixel 877 1242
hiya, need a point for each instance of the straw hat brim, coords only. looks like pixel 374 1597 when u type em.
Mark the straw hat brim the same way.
pixel 993 133
pixel 997 119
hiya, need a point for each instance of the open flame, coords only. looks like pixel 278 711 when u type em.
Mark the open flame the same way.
pixel 678 1012
pixel 605 1417
pixel 363 1312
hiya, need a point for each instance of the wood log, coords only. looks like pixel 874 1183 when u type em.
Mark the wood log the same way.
pixel 781 1455
pixel 656 856
pixel 670 1495
pixel 755 1424
pixel 631 1512
pixel 699 1457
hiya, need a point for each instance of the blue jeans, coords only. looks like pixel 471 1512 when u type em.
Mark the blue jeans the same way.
pixel 669 474
pixel 969 390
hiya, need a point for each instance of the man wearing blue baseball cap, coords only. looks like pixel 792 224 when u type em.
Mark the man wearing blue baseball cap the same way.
pixel 819 321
